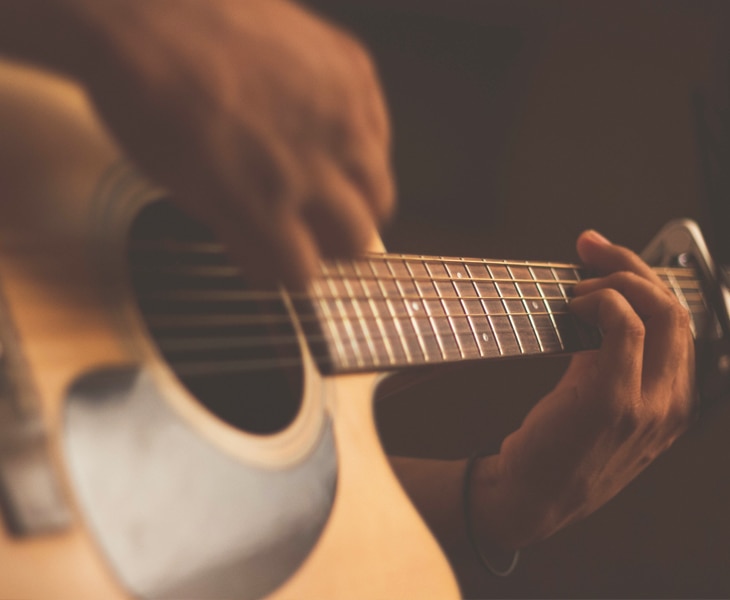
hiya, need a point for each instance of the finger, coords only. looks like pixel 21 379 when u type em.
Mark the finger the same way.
pixel 370 92
pixel 337 214
pixel 599 254
pixel 368 168
pixel 280 250
pixel 666 324
pixel 365 159
pixel 620 357
pixel 645 296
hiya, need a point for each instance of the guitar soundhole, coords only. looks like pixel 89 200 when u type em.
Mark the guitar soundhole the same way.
pixel 233 347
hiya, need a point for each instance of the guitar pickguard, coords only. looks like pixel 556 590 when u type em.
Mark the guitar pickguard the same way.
pixel 176 516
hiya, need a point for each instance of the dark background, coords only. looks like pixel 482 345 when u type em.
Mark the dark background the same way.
pixel 517 125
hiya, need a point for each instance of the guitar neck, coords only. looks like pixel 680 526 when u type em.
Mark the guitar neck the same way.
pixel 393 311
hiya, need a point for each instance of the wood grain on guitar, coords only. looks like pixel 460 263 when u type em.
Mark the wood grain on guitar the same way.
pixel 62 210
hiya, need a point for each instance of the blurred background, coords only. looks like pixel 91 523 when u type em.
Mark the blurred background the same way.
pixel 517 125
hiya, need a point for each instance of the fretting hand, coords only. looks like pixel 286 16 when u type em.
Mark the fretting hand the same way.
pixel 613 412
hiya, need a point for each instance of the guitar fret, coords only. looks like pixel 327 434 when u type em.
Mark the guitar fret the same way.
pixel 507 291
pixel 347 324
pixel 475 340
pixel 421 282
pixel 360 318
pixel 669 279
pixel 391 323
pixel 486 337
pixel 406 326
pixel 569 331
pixel 590 337
pixel 414 312
pixel 384 336
pixel 490 304
pixel 443 328
pixel 542 318
pixel 539 273
pixel 333 325
pixel 514 272
pixel 456 312
pixel 418 310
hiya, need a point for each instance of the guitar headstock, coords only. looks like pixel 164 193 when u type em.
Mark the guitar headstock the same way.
pixel 680 244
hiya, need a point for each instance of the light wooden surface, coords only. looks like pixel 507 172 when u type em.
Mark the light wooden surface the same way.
pixel 52 153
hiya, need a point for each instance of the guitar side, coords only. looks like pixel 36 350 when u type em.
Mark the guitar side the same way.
pixel 49 149
pixel 52 157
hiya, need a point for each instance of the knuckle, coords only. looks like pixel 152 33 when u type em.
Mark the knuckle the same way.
pixel 624 417
pixel 668 443
pixel 628 422
pixel 626 276
pixel 628 259
pixel 677 416
pixel 357 53
pixel 361 56
pixel 619 311
pixel 654 418
pixel 685 400
pixel 678 316
pixel 611 297
pixel 626 280
pixel 633 327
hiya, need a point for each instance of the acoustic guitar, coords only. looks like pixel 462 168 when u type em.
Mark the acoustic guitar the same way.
pixel 168 431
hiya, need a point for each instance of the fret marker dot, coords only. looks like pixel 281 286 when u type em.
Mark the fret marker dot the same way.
pixel 459 275
pixel 535 305
pixel 485 337
pixel 414 305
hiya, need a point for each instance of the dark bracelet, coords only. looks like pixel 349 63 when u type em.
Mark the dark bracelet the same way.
pixel 466 495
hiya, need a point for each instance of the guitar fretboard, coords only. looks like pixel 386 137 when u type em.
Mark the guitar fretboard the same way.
pixel 378 312
pixel 389 311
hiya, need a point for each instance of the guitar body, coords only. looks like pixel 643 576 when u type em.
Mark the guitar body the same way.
pixel 138 489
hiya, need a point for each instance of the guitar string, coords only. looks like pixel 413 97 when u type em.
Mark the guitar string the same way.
pixel 197 345
pixel 418 336
pixel 157 322
pixel 220 295
pixel 167 321
pixel 344 363
pixel 193 343
pixel 377 360
pixel 286 339
pixel 366 322
pixel 508 337
pixel 229 272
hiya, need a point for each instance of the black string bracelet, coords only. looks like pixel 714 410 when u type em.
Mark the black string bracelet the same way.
pixel 466 497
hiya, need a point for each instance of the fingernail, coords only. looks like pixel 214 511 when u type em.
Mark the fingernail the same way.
pixel 597 237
